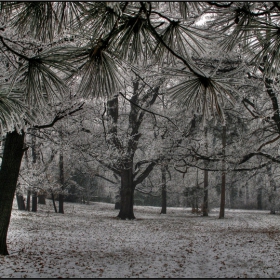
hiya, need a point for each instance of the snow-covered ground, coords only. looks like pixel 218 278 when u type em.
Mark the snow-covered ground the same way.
pixel 88 241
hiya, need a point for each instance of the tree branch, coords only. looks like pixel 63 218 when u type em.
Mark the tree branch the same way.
pixel 247 157
pixel 268 142
pixel 144 174
pixel 59 117
pixel 148 110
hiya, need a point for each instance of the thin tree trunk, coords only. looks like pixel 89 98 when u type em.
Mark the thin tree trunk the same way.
pixel 61 176
pixel 54 206
pixel 223 187
pixel 273 193
pixel 34 160
pixel 163 190
pixel 12 156
pixel 28 200
pixel 205 186
pixel 127 195
pixel 259 199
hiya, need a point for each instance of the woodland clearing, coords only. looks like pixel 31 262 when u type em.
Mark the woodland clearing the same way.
pixel 89 241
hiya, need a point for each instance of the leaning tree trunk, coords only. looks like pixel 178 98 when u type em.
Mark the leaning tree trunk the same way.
pixel 53 200
pixel 127 195
pixel 223 188
pixel 163 190
pixel 13 152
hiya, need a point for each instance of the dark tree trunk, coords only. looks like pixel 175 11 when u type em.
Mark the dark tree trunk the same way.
pixel 223 187
pixel 205 187
pixel 54 206
pixel 28 200
pixel 127 195
pixel 20 202
pixel 117 205
pixel 205 197
pixel 34 159
pixel 163 190
pixel 259 199
pixel 41 199
pixel 34 201
pixel 61 177
pixel 12 155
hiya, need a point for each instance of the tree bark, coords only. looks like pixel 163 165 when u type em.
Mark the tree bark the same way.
pixel 127 195
pixel 223 187
pixel 163 190
pixel 11 161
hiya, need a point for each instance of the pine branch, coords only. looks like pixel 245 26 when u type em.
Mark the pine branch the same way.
pixel 13 51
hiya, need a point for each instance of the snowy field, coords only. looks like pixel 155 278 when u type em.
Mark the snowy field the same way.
pixel 88 241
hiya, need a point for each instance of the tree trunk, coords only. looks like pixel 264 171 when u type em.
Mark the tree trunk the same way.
pixel 20 202
pixel 12 156
pixel 273 192
pixel 34 201
pixel 34 160
pixel 54 206
pixel 41 199
pixel 163 190
pixel 259 199
pixel 127 195
pixel 205 197
pixel 61 177
pixel 223 187
pixel 205 186
pixel 28 200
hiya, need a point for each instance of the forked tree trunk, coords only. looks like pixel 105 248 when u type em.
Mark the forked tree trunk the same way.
pixel 223 187
pixel 13 152
pixel 163 190
pixel 127 195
